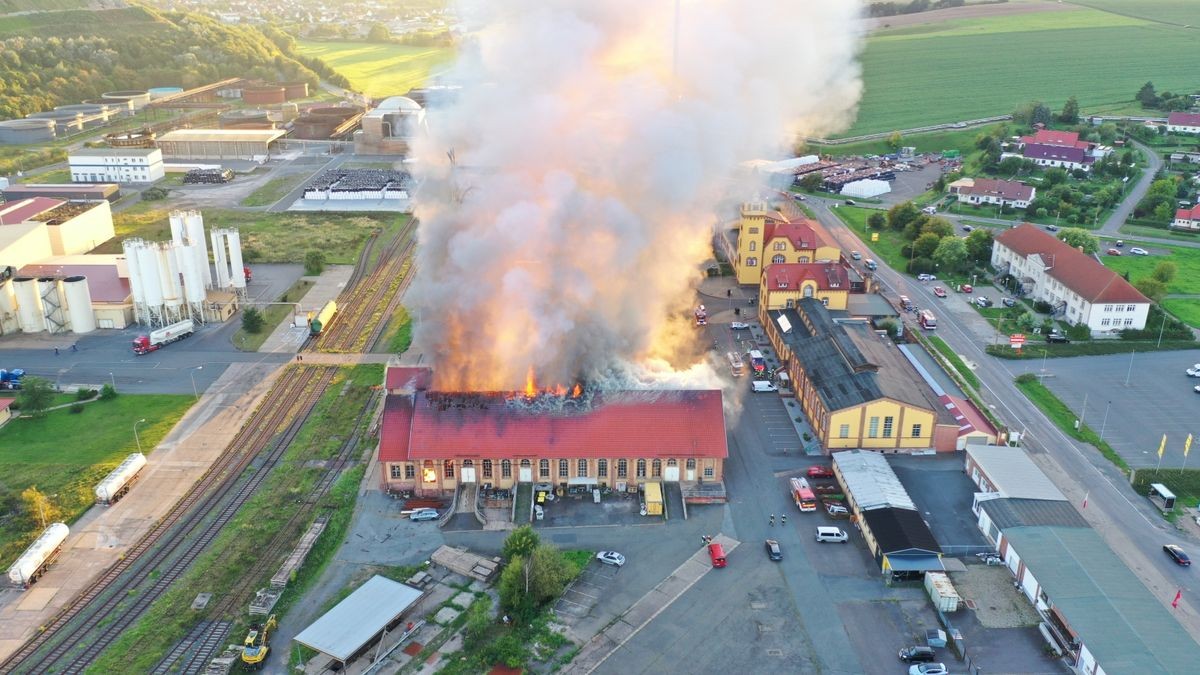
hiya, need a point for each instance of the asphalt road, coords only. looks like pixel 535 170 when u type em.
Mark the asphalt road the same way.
pixel 1125 208
pixel 1126 520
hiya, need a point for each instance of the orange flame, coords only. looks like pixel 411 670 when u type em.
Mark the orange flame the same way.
pixel 530 384
pixel 577 391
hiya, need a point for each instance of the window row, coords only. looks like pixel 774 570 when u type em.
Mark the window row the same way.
pixel 487 466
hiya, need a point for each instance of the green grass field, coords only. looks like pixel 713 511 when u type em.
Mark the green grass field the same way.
pixel 1182 12
pixel 66 454
pixel 890 242
pixel 380 69
pixel 971 68
pixel 962 140
pixel 1187 279
pixel 274 190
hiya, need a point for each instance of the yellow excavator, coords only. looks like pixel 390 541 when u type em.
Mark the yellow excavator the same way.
pixel 255 649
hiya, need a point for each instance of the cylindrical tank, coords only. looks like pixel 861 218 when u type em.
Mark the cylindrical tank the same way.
pixel 25 131
pixel 289 111
pixel 193 283
pixel 130 248
pixel 29 305
pixel 110 488
pixel 143 138
pixel 293 90
pixel 79 304
pixel 137 97
pixel 264 95
pixel 178 226
pixel 27 567
pixel 65 121
pixel 8 308
pixel 236 276
pixel 169 273
pixel 159 92
pixel 195 232
pixel 220 262
pixel 151 277
pixel 245 119
pixel 117 105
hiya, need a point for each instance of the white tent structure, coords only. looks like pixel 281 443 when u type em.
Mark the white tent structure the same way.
pixel 869 187
pixel 345 631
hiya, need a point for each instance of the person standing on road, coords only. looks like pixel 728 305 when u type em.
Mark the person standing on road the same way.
pixel 772 522
pixel 783 519
pixel 56 351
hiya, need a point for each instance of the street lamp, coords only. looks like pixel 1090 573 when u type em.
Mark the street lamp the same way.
pixel 1105 422
pixel 135 434
pixel 114 380
pixel 192 375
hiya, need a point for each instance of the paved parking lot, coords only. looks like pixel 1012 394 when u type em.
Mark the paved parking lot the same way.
pixel 1157 400
pixel 585 591
pixel 580 511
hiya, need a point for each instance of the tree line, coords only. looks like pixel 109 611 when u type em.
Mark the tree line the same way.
pixel 896 8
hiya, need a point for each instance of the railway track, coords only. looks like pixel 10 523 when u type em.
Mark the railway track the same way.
pixel 96 618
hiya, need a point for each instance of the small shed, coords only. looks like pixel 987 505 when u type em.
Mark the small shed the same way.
pixel 5 412
pixel 348 629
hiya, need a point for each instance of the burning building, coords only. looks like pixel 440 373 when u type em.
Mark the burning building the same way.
pixel 432 441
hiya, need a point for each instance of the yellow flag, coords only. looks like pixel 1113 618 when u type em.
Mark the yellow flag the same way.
pixel 1187 445
pixel 1162 446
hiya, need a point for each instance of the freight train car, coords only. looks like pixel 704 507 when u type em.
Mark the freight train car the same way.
pixel 39 556
pixel 320 322
pixel 116 484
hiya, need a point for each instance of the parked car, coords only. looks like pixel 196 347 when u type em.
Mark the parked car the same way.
pixel 1052 228
pixel 818 471
pixel 1113 251
pixel 939 291
pixel 928 669
pixel 856 255
pixel 967 228
pixel 1177 555
pixel 917 654
pixel 983 301
pixel 967 288
pixel 611 558
pixel 799 198
pixel 1008 302
pixel 1057 337
pixel 1194 371
pixel 739 325
pixel 1139 251
pixel 835 509
pixel 1120 243
pixel 926 277
pixel 773 550
pixel 423 514
pixel 762 386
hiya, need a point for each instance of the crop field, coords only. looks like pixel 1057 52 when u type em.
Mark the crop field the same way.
pixel 380 69
pixel 1181 12
pixel 970 68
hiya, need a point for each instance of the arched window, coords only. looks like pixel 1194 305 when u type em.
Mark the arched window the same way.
pixel 754 246
pixel 779 258
pixel 641 468
pixel 808 291
pixel 691 464
pixel 622 468
pixel 428 473
pixel 656 468
pixel 468 462
pixel 487 468
pixel 544 468
pixel 563 468
pixel 505 468
pixel 524 464
pixel 602 468
pixel 672 462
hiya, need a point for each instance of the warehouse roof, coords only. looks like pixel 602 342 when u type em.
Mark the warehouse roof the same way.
pixel 352 623
pixel 1122 623
pixel 223 135
pixel 113 152
pixel 104 280
pixel 870 480
pixel 22 210
pixel 1012 473
pixel 1018 512
pixel 900 531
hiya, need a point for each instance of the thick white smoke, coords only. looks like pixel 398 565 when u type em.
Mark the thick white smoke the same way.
pixel 592 148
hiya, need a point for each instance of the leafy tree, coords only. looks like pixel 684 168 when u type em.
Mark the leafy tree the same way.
pixel 1146 96
pixel 1011 165
pixel 888 326
pixel 900 215
pixel 36 395
pixel 528 582
pixel 154 194
pixel 939 226
pixel 1054 176
pixel 1163 212
pixel 1041 114
pixel 252 320
pixel 979 245
pixel 1108 132
pixel 1070 112
pixel 1151 288
pixel 895 140
pixel 951 254
pixel 1078 237
pixel 876 220
pixel 38 507
pixel 925 245
pixel 378 33
pixel 811 181
pixel 108 392
pixel 1165 271
pixel 520 542
pixel 314 262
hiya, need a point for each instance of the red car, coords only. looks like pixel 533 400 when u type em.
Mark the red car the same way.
pixel 966 288
pixel 939 291
pixel 819 472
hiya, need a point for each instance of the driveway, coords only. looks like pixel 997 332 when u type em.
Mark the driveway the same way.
pixel 1112 226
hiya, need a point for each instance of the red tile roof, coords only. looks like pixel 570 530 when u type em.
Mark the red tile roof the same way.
pixel 829 276
pixel 1005 189
pixel 1184 119
pixel 408 378
pixel 1062 139
pixel 5 402
pixel 968 417
pixel 104 281
pixel 803 234
pixel 12 213
pixel 1188 214
pixel 1073 268
pixel 637 424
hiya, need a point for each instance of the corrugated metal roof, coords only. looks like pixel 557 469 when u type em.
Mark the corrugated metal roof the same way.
pixel 1116 617
pixel 112 152
pixel 871 481
pixel 899 531
pixel 1018 512
pixel 227 135
pixel 353 622
pixel 1012 473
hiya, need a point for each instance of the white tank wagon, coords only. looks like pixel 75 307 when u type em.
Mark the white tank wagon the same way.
pixel 116 484
pixel 39 556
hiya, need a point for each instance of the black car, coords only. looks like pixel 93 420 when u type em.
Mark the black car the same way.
pixel 1057 337
pixel 917 654
pixel 773 550
pixel 1177 555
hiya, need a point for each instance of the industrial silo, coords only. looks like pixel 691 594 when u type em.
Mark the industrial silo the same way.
pixel 65 121
pixel 195 233
pixel 221 263
pixel 79 304
pixel 293 90
pixel 236 268
pixel 8 308
pixel 151 282
pixel 26 131
pixel 193 282
pixel 131 247
pixel 160 92
pixel 29 305
pixel 264 95
pixel 172 289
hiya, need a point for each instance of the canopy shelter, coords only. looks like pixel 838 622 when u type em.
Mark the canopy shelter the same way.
pixel 354 623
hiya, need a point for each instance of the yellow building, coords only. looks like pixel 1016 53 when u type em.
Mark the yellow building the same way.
pixel 855 388
pixel 765 237
pixel 785 284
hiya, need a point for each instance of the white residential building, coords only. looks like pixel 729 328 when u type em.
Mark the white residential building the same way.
pixel 1183 123
pixel 1081 290
pixel 979 191
pixel 116 165
pixel 1187 219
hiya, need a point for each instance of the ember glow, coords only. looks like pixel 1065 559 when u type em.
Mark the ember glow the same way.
pixel 570 192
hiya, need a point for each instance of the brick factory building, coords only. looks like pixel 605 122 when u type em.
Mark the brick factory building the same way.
pixel 431 441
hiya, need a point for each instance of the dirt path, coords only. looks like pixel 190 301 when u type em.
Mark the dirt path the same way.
pixel 967 12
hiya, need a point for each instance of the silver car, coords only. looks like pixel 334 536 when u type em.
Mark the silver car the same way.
pixel 611 558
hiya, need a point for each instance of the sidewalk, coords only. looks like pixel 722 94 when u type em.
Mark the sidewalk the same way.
pixel 103 534
pixel 287 337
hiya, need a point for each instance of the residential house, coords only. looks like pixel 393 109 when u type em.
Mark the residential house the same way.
pixel 1081 290
pixel 1183 123
pixel 766 236
pixel 1054 156
pixel 784 284
pixel 1187 219
pixel 977 191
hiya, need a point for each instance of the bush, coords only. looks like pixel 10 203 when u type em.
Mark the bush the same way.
pixel 1042 307
pixel 107 392
pixel 252 320
pixel 154 194
pixel 314 263
pixel 1079 332
pixel 76 408
pixel 85 394
pixel 1025 378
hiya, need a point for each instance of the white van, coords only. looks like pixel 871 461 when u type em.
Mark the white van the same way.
pixel 832 534
pixel 759 386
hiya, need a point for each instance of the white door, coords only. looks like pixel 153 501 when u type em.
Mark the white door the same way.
pixel 525 474
pixel 468 474
pixel 691 474
pixel 671 474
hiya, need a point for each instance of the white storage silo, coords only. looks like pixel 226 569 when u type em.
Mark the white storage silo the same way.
pixel 8 308
pixel 193 284
pixel 29 305
pixel 137 280
pixel 195 233
pixel 172 288
pixel 79 304
pixel 151 283
pixel 54 304
pixel 178 226
pixel 236 268
pixel 219 260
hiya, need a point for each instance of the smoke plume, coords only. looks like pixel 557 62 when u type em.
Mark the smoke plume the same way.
pixel 570 191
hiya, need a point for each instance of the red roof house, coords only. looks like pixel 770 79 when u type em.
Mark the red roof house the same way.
pixel 1188 218
pixel 1184 122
